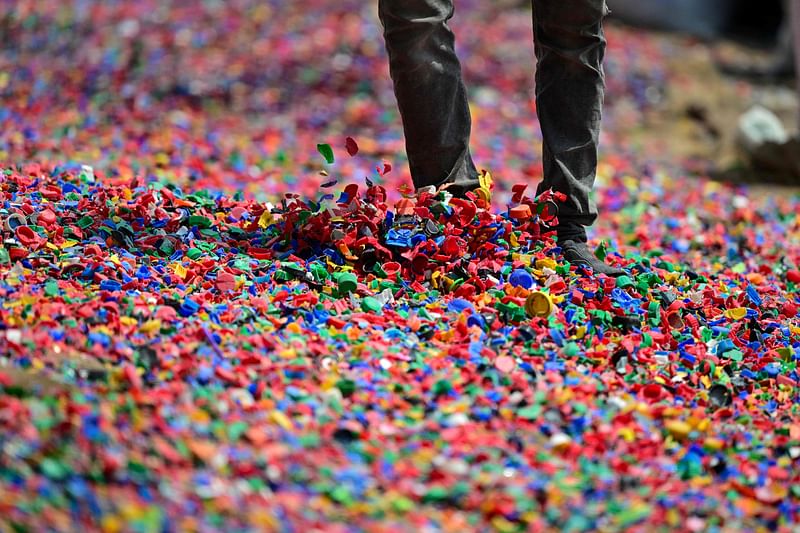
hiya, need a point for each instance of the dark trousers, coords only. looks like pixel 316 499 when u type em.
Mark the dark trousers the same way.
pixel 569 45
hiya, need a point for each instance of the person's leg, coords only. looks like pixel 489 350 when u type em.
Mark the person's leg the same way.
pixel 430 92
pixel 570 46
pixel 795 14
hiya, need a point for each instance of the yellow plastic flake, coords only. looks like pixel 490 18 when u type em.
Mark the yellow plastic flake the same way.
pixel 525 258
pixel 546 262
pixel 265 220
pixel 483 194
pixel 702 424
pixel 678 429
pixel 103 330
pixel 281 419
pixel 111 524
pixel 151 326
pixel 737 313
pixel 415 414
pixel 631 183
pixel 485 180
pixel 671 277
pixel 288 353
pixel 499 523
pixel 179 270
pixel 333 267
pixel 328 383
pixel 667 411
pixel 627 434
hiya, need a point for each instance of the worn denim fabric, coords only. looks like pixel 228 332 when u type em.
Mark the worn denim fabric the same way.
pixel 794 11
pixel 432 99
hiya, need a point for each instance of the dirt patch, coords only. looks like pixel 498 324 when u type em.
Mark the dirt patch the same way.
pixel 698 119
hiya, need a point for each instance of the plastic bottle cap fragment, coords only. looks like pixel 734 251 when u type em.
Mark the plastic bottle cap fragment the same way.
pixel 737 313
pixel 538 304
pixel 675 320
pixel 26 235
pixel 521 278
pixel 13 221
pixel 347 282
pixel 483 194
pixel 520 212
pixel 624 282
pixel 370 304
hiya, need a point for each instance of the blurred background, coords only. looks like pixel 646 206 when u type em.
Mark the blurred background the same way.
pixel 235 95
pixel 750 47
pixel 756 22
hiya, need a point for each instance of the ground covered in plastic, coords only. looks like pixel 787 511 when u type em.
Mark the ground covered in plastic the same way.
pixel 219 311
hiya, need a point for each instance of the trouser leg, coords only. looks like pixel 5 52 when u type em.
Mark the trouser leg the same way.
pixel 794 11
pixel 570 46
pixel 430 92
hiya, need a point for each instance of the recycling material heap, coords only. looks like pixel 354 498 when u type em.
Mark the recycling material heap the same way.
pixel 221 307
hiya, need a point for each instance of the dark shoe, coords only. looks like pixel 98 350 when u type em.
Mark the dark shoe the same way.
pixel 568 230
pixel 578 253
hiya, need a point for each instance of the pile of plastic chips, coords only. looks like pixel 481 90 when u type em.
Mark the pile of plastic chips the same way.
pixel 174 358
